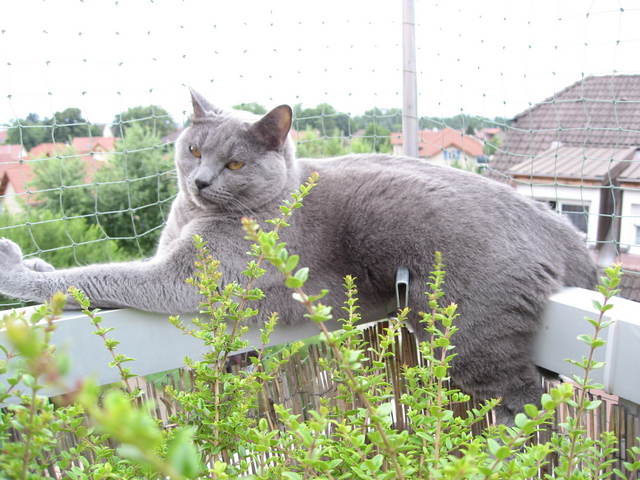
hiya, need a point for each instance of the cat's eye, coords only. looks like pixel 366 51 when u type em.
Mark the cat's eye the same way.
pixel 233 165
pixel 195 151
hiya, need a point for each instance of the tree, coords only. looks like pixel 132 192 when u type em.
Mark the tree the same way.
pixel 153 118
pixel 58 181
pixel 468 123
pixel 252 107
pixel 61 242
pixel 492 145
pixel 28 132
pixel 134 191
pixel 69 124
pixel 389 118
pixel 378 138
pixel 323 118
pixel 62 127
pixel 311 144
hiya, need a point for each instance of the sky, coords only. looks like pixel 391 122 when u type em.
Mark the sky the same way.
pixel 489 58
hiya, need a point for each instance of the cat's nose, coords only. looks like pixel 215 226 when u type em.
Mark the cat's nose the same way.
pixel 201 184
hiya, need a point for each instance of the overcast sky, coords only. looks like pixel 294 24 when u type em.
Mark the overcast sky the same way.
pixel 486 58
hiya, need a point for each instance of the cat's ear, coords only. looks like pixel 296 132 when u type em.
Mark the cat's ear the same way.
pixel 201 107
pixel 272 129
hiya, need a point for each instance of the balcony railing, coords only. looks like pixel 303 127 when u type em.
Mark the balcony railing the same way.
pixel 158 346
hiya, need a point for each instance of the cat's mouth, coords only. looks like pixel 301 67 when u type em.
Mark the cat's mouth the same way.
pixel 221 200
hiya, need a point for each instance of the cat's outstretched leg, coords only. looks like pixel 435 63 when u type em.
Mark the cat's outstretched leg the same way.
pixel 156 285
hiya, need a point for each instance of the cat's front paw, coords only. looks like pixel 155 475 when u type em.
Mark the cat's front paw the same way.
pixel 10 257
pixel 38 265
pixel 15 277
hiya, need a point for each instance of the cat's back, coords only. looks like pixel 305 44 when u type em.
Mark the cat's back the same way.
pixel 391 201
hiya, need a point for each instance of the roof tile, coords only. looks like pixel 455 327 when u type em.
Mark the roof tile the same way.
pixel 597 111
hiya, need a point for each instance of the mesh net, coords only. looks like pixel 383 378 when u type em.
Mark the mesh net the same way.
pixel 544 96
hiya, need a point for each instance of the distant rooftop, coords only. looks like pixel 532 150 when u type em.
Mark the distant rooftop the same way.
pixel 597 111
pixel 581 163
pixel 432 142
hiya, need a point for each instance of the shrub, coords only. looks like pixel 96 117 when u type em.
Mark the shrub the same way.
pixel 216 434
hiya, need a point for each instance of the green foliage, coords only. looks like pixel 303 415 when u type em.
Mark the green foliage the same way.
pixel 387 118
pixel 215 430
pixel 324 118
pixel 69 124
pixel 60 182
pixel 153 118
pixel 62 243
pixel 252 107
pixel 377 138
pixel 134 190
pixel 462 121
pixel 62 127
pixel 42 232
pixel 492 145
pixel 128 198
pixel 311 144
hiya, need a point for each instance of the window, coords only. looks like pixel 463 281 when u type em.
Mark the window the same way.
pixel 635 214
pixel 451 154
pixel 577 214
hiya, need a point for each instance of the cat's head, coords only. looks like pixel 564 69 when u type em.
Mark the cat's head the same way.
pixel 234 161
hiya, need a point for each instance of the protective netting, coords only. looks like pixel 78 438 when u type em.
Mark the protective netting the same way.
pixel 540 94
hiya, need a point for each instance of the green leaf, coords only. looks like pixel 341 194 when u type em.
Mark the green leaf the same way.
pixel 302 274
pixel 521 420
pixel 592 404
pixel 183 455
pixel 293 282
pixel 291 263
pixel 502 453
pixel 292 475
pixel 531 410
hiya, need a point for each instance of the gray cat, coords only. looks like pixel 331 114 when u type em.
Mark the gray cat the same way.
pixel 504 254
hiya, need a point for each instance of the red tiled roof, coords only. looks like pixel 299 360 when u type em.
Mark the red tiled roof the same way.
pixel 17 175
pixel 93 144
pixel 433 142
pixel 47 150
pixel 10 153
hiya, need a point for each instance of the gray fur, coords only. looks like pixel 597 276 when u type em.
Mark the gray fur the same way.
pixel 504 254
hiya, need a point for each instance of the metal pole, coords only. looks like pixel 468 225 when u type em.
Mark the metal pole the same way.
pixel 409 84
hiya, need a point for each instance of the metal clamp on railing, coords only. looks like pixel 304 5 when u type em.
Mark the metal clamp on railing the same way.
pixel 402 288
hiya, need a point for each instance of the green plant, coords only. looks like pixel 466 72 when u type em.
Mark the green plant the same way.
pixel 225 426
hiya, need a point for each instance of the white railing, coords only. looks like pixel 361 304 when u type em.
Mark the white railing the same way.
pixel 158 346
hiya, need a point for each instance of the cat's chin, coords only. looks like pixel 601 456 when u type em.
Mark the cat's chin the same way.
pixel 211 205
pixel 202 201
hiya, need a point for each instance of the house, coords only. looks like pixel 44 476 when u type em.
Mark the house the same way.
pixel 16 166
pixel 95 152
pixel 47 150
pixel 577 182
pixel 578 150
pixel 14 175
pixel 488 133
pixel 444 147
pixel 11 153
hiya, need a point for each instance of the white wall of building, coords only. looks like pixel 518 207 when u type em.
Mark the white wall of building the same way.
pixel 630 222
pixel 586 196
pixel 9 202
